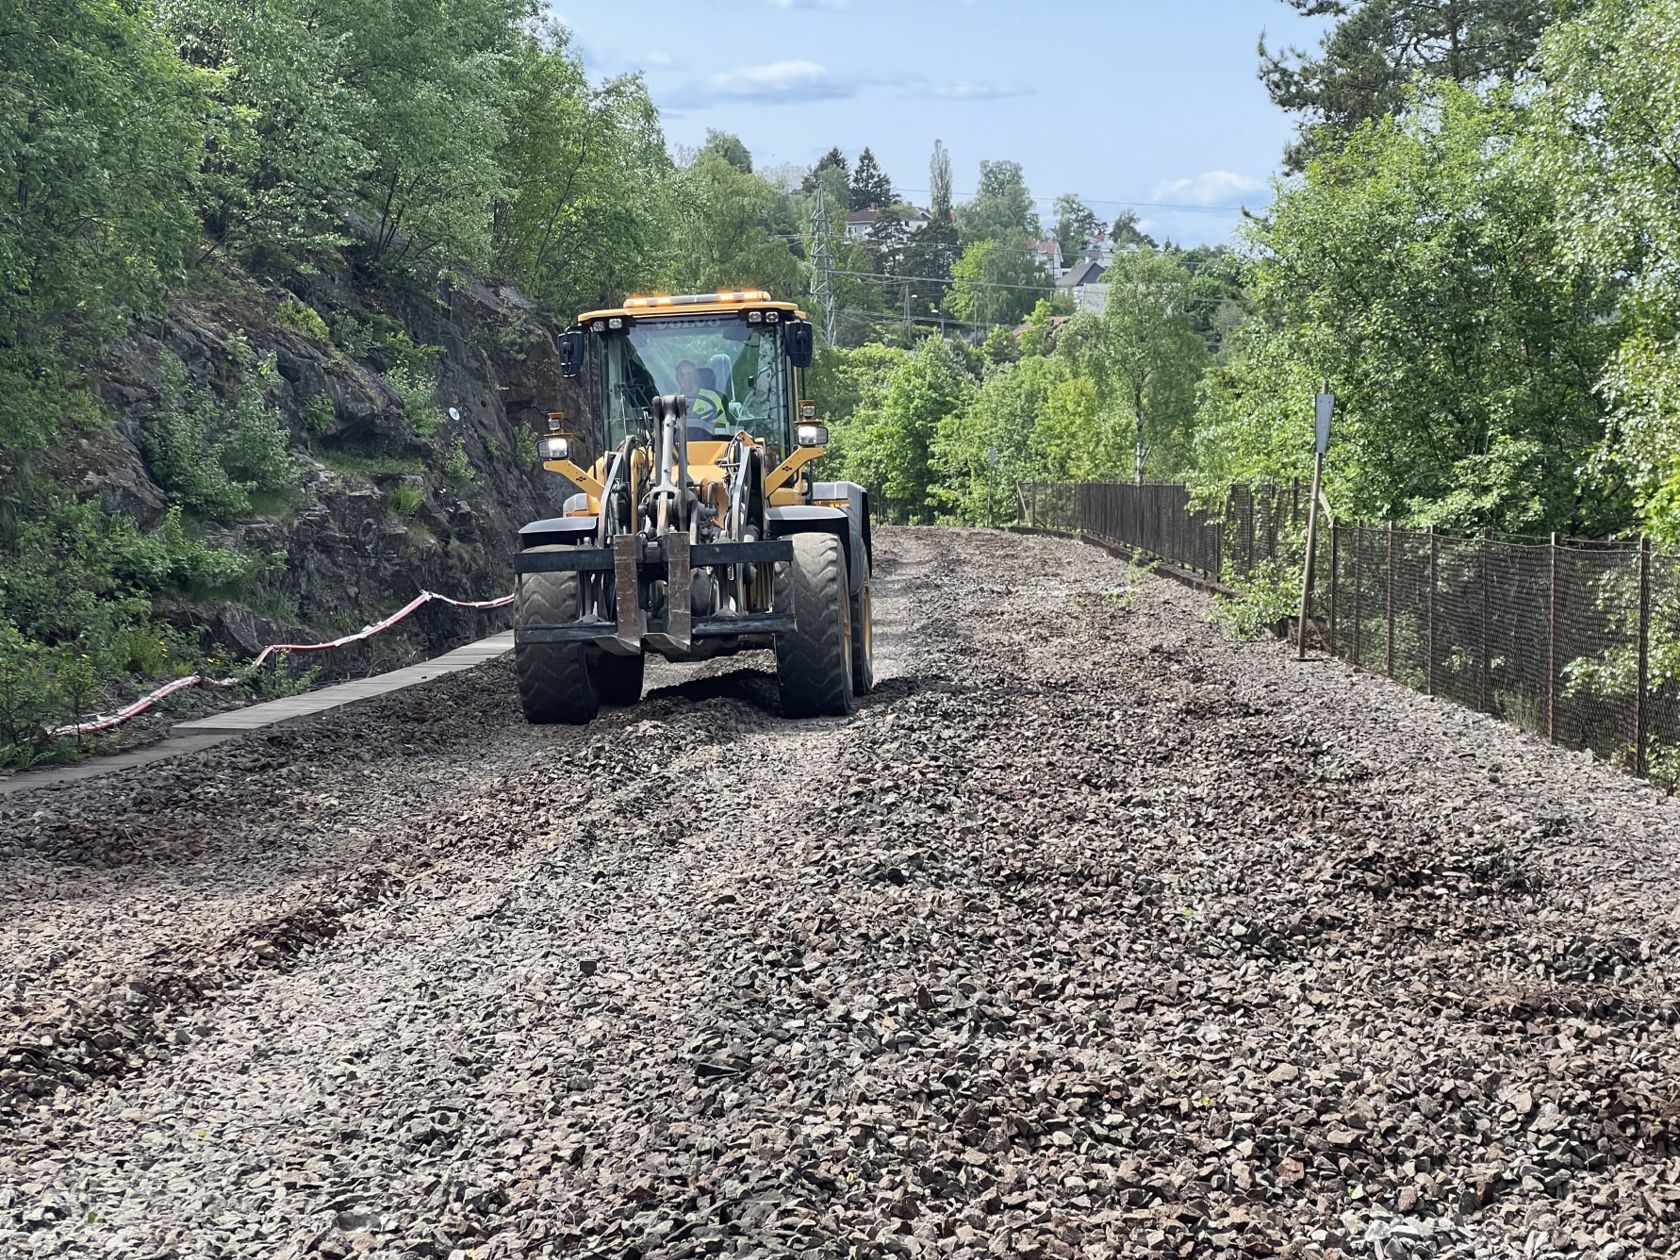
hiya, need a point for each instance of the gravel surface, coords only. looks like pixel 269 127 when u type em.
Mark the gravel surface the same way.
pixel 1091 934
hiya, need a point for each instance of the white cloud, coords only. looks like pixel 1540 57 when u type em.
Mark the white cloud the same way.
pixel 810 4
pixel 971 91
pixel 1210 188
pixel 790 82
pixel 659 57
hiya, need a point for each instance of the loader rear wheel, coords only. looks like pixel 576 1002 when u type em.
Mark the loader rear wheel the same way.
pixel 556 683
pixel 814 660
pixel 619 678
pixel 863 642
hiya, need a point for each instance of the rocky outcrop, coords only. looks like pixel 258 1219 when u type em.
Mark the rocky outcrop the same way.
pixel 381 511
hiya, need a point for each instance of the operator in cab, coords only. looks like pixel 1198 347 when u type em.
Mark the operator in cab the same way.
pixel 705 404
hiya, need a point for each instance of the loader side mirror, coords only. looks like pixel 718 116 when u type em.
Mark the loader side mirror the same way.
pixel 800 346
pixel 571 353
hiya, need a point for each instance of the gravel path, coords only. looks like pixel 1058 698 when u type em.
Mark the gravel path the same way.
pixel 1091 934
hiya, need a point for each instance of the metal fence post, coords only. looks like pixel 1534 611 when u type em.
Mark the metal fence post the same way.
pixel 1434 571
pixel 1294 501
pixel 1389 600
pixel 1486 697
pixel 1335 564
pixel 1358 586
pixel 1639 766
pixel 1551 641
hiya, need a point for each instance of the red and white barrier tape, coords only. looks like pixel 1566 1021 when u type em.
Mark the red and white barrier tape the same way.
pixel 105 721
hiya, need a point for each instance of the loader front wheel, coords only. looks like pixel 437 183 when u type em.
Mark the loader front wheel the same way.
pixel 814 660
pixel 619 678
pixel 556 683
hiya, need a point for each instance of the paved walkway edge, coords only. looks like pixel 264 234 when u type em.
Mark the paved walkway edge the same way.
pixel 187 737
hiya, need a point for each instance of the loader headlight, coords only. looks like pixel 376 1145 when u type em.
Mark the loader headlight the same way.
pixel 556 448
pixel 755 317
pixel 598 326
pixel 811 434
pixel 615 323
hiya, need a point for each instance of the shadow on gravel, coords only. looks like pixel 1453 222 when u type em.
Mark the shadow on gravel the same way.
pixel 752 687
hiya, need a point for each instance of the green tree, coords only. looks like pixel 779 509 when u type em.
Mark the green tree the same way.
pixel 1126 230
pixel 933 250
pixel 1606 147
pixel 1415 270
pixel 724 231
pixel 1368 61
pixel 586 213
pixel 1002 208
pixel 1077 225
pixel 832 161
pixel 1145 358
pixel 888 441
pixel 431 111
pixel 729 148
pixel 281 152
pixel 998 282
pixel 870 185
pixel 99 149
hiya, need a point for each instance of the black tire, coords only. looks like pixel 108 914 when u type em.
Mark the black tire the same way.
pixel 814 660
pixel 863 642
pixel 619 678
pixel 556 683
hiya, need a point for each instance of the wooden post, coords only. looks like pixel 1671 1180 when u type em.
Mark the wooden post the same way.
pixel 1335 564
pixel 1551 642
pixel 1389 601
pixel 1429 666
pixel 1312 550
pixel 1639 766
pixel 1294 500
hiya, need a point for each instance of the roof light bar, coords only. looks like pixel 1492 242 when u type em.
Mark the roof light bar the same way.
pixel 721 297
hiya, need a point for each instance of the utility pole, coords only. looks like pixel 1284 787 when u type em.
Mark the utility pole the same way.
pixel 822 263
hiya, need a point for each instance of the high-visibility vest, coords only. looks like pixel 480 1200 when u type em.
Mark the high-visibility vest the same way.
pixel 706 409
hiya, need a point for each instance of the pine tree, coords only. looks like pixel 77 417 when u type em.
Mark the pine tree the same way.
pixel 1366 64
pixel 833 160
pixel 870 185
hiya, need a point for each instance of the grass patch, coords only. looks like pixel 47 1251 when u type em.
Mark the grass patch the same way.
pixel 370 466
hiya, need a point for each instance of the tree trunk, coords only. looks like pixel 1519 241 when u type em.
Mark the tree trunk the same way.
pixel 1137 410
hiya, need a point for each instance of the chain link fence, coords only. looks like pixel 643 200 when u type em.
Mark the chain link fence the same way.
pixel 1574 640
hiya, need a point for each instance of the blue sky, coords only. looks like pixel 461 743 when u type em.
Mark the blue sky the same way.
pixel 1126 103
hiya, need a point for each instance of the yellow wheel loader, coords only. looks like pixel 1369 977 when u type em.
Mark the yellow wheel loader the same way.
pixel 697 529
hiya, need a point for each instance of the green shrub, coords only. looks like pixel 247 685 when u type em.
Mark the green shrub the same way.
pixel 303 318
pixel 456 466
pixel 416 389
pixel 319 415
pixel 406 500
pixel 382 338
pixel 525 447
pixel 1272 594
pixel 255 452
pixel 215 477
pixel 177 441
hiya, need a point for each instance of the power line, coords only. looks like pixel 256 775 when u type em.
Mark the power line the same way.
pixel 1103 201
pixel 977 284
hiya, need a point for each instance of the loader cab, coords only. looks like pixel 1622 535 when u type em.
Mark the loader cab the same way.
pixel 748 350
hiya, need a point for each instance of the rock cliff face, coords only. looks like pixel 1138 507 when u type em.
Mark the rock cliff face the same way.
pixel 382 511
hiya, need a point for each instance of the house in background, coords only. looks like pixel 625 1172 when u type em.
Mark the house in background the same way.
pixel 1084 281
pixel 859 223
pixel 1049 252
